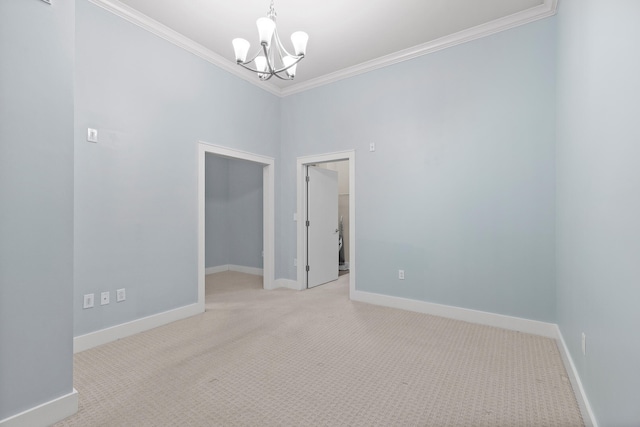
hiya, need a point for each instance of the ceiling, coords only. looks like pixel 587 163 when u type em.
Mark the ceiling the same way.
pixel 346 37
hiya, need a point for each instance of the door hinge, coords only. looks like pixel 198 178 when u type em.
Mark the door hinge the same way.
pixel 307 178
pixel 308 223
pixel 307 268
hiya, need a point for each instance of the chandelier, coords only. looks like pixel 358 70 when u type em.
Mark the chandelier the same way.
pixel 273 59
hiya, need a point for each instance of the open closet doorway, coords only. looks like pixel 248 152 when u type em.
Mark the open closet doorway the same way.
pixel 326 219
pixel 268 214
pixel 233 215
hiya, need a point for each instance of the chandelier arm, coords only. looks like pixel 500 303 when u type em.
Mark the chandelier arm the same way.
pixel 246 63
pixel 282 78
pixel 297 58
pixel 248 68
pixel 266 55
pixel 251 60
pixel 281 47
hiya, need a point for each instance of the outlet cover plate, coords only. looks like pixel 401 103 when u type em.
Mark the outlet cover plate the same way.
pixel 121 295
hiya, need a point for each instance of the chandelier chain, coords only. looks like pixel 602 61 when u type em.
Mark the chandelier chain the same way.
pixel 272 11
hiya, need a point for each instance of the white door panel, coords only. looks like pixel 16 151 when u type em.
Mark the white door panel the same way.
pixel 322 232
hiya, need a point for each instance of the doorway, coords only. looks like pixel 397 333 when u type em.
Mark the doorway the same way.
pixel 233 215
pixel 268 211
pixel 321 224
pixel 303 240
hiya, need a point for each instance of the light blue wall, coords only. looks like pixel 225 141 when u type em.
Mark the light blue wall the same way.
pixel 598 204
pixel 233 205
pixel 36 203
pixel 136 190
pixel 216 211
pixel 245 213
pixel 460 192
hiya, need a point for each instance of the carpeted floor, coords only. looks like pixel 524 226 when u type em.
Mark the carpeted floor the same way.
pixel 314 358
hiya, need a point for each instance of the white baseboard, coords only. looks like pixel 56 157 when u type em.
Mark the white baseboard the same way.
pixel 247 270
pixel 287 283
pixel 103 336
pixel 585 408
pixel 231 267
pixel 473 316
pixel 46 414
pixel 549 330
pixel 216 269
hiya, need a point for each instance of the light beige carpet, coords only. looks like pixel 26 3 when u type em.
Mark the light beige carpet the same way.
pixel 314 358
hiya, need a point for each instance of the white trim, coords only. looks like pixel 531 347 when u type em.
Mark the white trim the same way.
pixel 216 269
pixel 230 267
pixel 548 330
pixel 135 17
pixel 548 8
pixel 301 162
pixel 268 212
pixel 287 283
pixel 588 416
pixel 247 270
pixel 113 333
pixel 467 315
pixel 45 414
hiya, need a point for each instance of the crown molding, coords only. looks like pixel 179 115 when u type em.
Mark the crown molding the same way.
pixel 128 13
pixel 546 9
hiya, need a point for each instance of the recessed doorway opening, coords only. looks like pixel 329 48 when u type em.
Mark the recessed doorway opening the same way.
pixel 268 211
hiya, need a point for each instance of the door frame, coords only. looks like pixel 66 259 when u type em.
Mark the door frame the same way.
pixel 301 164
pixel 268 211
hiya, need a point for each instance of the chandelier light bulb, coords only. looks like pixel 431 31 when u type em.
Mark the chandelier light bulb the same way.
pixel 288 61
pixel 240 48
pixel 261 63
pixel 299 40
pixel 266 27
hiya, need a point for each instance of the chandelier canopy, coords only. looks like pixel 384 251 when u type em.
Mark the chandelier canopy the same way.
pixel 272 59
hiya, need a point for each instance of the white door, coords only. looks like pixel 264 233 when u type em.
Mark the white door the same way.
pixel 322 226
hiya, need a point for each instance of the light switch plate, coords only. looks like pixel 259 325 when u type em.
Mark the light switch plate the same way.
pixel 88 301
pixel 92 135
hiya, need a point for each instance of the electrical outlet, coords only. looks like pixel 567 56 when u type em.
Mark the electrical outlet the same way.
pixel 88 301
pixel 401 274
pixel 121 295
pixel 104 298
pixel 584 344
pixel 372 146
